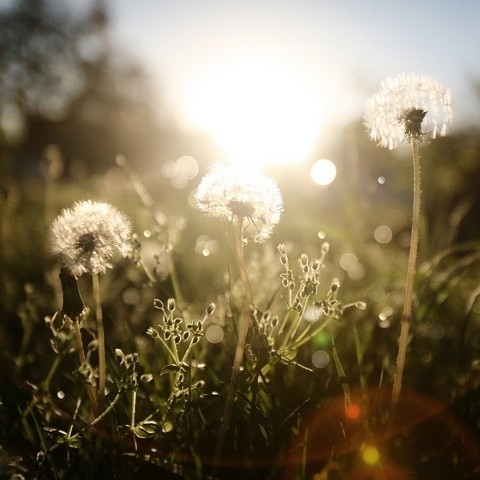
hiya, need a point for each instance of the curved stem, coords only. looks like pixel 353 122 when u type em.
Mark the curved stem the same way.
pixel 101 340
pixel 412 260
pixel 243 326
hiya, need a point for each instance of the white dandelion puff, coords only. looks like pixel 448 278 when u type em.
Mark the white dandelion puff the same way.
pixel 406 107
pixel 227 192
pixel 88 235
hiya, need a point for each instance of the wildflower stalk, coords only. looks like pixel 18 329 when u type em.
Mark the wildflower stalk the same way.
pixel 101 339
pixel 242 331
pixel 412 260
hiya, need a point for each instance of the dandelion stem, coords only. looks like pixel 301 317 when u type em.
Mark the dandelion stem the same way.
pixel 241 262
pixel 92 395
pixel 243 326
pixel 412 260
pixel 101 340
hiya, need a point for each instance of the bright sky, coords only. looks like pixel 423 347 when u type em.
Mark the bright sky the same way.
pixel 257 73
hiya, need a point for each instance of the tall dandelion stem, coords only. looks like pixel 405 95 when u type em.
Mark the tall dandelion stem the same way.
pixel 243 326
pixel 101 339
pixel 413 108
pixel 412 260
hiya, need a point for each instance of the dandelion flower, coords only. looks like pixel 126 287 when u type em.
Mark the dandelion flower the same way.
pixel 227 192
pixel 88 235
pixel 406 107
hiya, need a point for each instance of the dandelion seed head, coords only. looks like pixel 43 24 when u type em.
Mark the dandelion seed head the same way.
pixel 227 192
pixel 88 235
pixel 406 107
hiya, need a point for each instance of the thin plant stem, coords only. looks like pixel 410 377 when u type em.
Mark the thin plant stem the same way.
pixel 51 372
pixel 177 290
pixel 359 354
pixel 243 325
pixel 132 416
pixel 241 262
pixel 92 394
pixel 412 260
pixel 101 340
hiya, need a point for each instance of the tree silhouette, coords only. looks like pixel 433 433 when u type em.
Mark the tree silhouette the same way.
pixel 62 82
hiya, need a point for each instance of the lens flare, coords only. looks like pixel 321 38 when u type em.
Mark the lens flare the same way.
pixel 370 454
pixel 323 172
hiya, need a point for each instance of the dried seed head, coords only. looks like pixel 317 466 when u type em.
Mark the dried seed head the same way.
pixel 228 192
pixel 406 107
pixel 88 235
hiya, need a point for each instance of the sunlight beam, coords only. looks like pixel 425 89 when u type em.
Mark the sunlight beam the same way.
pixel 259 113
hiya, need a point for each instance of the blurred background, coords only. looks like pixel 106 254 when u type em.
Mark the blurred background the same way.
pixel 174 86
pixel 129 102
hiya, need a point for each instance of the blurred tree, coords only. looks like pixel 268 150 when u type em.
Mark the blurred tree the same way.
pixel 62 82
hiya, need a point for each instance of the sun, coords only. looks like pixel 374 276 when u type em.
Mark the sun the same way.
pixel 259 113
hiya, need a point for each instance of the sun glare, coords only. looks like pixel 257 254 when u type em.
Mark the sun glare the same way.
pixel 258 113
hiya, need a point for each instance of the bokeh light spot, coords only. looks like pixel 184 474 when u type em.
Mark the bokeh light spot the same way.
pixel 321 235
pixel 322 340
pixel 205 246
pixel 180 172
pixel 214 334
pixel 131 296
pixel 323 172
pixel 350 263
pixel 370 455
pixel 381 180
pixel 353 411
pixel 320 359
pixel 312 314
pixel 348 260
pixel 383 234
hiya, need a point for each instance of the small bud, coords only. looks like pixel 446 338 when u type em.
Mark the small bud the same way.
pixel 335 286
pixel 157 303
pixel 152 332
pixel 171 304
pixel 211 308
pixel 361 305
